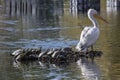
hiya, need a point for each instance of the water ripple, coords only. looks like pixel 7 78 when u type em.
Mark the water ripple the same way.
pixel 49 43
pixel 51 28
pixel 8 22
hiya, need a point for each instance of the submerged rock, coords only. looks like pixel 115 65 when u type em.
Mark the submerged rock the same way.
pixel 53 55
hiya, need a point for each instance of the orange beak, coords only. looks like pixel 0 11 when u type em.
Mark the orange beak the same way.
pixel 101 18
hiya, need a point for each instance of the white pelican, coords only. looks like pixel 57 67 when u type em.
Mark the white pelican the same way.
pixel 89 35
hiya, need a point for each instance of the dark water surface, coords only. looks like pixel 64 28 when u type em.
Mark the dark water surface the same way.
pixel 51 24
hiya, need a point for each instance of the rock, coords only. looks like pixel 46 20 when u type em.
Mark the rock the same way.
pixel 26 54
pixel 43 53
pixel 17 52
pixel 50 52
pixel 53 55
pixel 67 49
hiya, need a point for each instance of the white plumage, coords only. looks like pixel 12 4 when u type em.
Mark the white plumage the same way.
pixel 89 35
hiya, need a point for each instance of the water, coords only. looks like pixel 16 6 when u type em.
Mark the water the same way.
pixel 50 24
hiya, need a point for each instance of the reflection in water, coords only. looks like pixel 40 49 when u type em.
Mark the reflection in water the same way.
pixel 27 70
pixel 89 70
pixel 35 11
pixel 113 3
pixel 39 19
pixel 34 14
pixel 113 10
pixel 113 14
pixel 82 6
pixel 25 23
pixel 39 70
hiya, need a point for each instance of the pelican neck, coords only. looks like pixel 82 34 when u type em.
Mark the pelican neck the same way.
pixel 93 20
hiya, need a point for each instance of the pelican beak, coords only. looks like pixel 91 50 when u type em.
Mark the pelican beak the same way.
pixel 101 18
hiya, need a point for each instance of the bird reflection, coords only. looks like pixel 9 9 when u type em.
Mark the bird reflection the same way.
pixel 89 70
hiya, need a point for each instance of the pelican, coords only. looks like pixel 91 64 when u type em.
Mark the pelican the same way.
pixel 89 35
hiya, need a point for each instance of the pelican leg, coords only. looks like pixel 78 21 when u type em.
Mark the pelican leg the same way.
pixel 92 54
pixel 87 51
pixel 92 49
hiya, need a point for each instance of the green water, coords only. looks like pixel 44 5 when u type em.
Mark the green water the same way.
pixel 50 24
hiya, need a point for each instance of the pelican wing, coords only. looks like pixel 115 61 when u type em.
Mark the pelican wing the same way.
pixel 88 37
pixel 84 32
pixel 81 45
